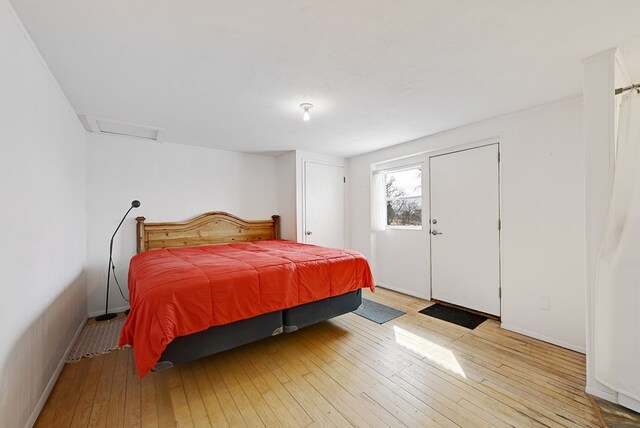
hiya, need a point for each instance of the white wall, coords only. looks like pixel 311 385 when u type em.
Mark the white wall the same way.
pixel 542 198
pixel 287 195
pixel 408 271
pixel 43 245
pixel 173 182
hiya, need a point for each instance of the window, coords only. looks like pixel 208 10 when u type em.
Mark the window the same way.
pixel 403 189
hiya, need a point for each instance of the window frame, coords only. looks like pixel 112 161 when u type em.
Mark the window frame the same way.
pixel 419 166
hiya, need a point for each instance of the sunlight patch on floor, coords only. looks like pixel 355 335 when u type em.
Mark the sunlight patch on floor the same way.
pixel 431 351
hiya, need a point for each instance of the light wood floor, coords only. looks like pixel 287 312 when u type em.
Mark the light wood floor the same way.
pixel 412 371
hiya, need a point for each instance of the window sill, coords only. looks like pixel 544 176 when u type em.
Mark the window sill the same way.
pixel 403 228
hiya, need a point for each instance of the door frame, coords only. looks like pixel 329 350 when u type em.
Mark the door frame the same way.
pixel 303 196
pixel 457 149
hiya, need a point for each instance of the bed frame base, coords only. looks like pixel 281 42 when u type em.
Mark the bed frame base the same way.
pixel 312 313
pixel 224 337
pixel 162 365
pixel 221 338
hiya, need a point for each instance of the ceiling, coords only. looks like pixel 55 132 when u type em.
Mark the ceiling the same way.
pixel 231 74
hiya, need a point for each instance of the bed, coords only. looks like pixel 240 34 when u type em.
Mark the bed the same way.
pixel 217 282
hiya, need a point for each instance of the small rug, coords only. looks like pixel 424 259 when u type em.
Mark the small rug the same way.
pixel 454 315
pixel 96 339
pixel 377 312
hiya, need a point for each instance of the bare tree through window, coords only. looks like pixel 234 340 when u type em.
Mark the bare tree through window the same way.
pixel 404 197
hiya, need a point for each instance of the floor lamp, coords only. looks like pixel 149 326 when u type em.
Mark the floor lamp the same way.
pixel 107 315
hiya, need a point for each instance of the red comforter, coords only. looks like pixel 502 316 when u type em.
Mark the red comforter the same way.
pixel 179 291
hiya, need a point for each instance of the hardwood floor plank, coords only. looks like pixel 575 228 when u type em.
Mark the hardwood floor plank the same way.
pixel 259 401
pixel 440 403
pixel 100 407
pixel 433 385
pixel 346 372
pixel 412 371
pixel 243 403
pixel 340 386
pixel 69 401
pixel 133 404
pixel 559 416
pixel 227 404
pixel 485 414
pixel 164 407
pixel 194 399
pixel 335 400
pixel 376 384
pixel 179 403
pixel 313 407
pixel 311 400
pixel 115 411
pixel 148 403
pixel 262 376
pixel 211 403
pixel 382 337
pixel 88 394
pixel 48 413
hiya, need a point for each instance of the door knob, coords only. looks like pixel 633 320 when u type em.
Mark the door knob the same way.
pixel 435 232
pixel 308 232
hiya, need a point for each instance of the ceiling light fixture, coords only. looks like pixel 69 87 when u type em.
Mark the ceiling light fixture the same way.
pixel 306 107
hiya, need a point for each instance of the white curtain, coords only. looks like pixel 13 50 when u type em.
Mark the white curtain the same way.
pixel 378 202
pixel 617 300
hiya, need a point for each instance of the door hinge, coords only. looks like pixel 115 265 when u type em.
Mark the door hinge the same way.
pixel 498 157
pixel 344 179
pixel 499 224
pixel 500 292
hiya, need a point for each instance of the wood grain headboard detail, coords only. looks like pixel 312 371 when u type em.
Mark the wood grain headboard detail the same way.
pixel 211 228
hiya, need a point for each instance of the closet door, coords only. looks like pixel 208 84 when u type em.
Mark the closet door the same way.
pixel 323 215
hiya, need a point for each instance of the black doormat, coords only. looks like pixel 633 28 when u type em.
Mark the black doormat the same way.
pixel 454 315
pixel 377 312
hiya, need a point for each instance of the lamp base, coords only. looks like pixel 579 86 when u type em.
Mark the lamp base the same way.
pixel 105 317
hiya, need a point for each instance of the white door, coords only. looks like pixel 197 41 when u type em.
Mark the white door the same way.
pixel 464 227
pixel 323 204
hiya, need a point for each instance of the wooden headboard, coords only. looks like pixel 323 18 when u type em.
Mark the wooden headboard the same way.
pixel 211 228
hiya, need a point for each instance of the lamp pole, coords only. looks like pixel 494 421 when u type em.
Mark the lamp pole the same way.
pixel 107 315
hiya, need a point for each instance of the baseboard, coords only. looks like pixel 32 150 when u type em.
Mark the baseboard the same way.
pixel 112 310
pixel 404 291
pixel 629 403
pixel 602 394
pixel 544 338
pixel 619 397
pixel 45 394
